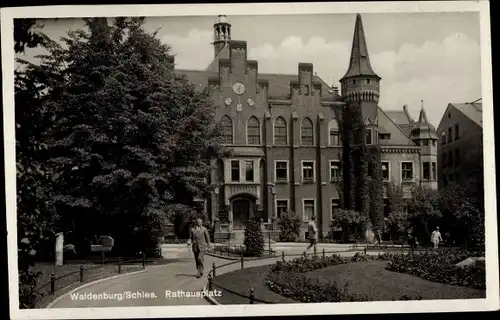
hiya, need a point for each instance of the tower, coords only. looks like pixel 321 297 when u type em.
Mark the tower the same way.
pixel 222 33
pixel 361 84
pixel 424 135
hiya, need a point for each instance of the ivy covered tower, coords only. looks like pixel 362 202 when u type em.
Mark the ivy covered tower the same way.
pixel 361 84
pixel 424 135
pixel 222 33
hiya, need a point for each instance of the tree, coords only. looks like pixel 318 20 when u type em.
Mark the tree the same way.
pixel 35 218
pixel 129 141
pixel 424 211
pixel 349 221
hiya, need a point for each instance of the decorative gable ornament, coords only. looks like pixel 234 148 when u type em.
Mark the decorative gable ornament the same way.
pixel 228 101
pixel 250 102
pixel 239 107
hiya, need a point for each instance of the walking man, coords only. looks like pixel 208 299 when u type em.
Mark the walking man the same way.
pixel 199 238
pixel 312 234
pixel 436 238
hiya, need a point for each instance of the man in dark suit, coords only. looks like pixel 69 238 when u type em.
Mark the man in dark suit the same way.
pixel 199 238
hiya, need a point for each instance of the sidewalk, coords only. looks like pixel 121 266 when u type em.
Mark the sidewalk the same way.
pixel 157 279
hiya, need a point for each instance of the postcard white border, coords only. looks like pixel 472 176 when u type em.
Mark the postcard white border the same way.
pixel 490 303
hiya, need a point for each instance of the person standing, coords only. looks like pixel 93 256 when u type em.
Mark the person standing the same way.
pixel 199 238
pixel 436 237
pixel 312 234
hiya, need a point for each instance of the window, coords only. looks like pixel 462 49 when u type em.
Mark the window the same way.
pixel 425 143
pixel 443 138
pixel 281 168
pixel 235 170
pixel 385 136
pixel 385 170
pixel 457 157
pixel 354 81
pixel 281 207
pixel 368 81
pixel 407 171
pixel 433 143
pixel 306 132
pixel 306 89
pixel 334 170
pixel 334 138
pixel 449 135
pixel 249 171
pixel 308 209
pixel 253 131
pixel 308 171
pixel 457 132
pixel 335 204
pixel 427 171
pixel 226 129
pixel 434 175
pixel 280 131
pixel 368 136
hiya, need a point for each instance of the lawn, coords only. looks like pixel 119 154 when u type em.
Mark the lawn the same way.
pixel 368 277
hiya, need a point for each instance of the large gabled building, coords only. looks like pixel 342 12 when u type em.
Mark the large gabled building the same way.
pixel 460 148
pixel 286 141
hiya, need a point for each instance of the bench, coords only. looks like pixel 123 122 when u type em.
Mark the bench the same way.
pixel 106 243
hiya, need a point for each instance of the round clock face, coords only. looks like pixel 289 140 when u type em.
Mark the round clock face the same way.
pixel 239 88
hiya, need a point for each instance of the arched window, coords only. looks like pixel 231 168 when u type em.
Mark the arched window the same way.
pixel 306 132
pixel 226 129
pixel 253 131
pixel 280 131
pixel 334 135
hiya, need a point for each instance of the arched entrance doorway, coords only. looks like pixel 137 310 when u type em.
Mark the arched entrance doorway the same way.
pixel 243 208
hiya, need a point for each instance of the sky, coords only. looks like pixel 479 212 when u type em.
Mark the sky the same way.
pixel 434 57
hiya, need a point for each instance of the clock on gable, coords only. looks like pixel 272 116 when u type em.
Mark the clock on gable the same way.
pixel 239 88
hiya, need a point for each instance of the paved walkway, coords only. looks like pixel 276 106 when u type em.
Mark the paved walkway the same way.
pixel 155 281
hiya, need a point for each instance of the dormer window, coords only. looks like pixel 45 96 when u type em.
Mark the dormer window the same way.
pixel 354 81
pixel 368 81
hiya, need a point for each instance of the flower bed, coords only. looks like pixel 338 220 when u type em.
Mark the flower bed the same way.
pixel 441 268
pixel 289 278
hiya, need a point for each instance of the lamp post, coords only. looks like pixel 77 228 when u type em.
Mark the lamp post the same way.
pixel 273 197
pixel 216 215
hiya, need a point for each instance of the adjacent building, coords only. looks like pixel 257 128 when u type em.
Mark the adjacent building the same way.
pixel 460 147
pixel 285 136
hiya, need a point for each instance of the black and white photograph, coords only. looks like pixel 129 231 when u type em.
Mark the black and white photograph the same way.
pixel 249 159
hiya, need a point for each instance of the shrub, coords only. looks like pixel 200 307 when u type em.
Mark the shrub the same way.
pixel 254 239
pixel 289 224
pixel 350 221
pixel 440 268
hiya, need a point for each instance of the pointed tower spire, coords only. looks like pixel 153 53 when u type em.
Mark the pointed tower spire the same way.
pixel 423 129
pixel 422 118
pixel 359 65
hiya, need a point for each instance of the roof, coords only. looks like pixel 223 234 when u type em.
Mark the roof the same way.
pixel 359 63
pixel 473 111
pixel 279 84
pixel 423 129
pixel 398 136
pixel 223 54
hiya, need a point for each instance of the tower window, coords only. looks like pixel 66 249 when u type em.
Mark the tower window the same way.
pixel 368 81
pixel 425 142
pixel 426 168
pixel 368 136
pixel 353 81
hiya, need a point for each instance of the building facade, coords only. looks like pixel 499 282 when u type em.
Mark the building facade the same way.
pixel 460 147
pixel 285 136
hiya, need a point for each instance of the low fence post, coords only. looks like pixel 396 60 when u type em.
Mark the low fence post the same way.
pixel 81 273
pixel 241 259
pixel 52 283
pixel 213 269
pixel 269 233
pixel 252 297
pixel 102 257
pixel 283 256
pixel 323 252
pixel 144 260
pixel 365 251
pixel 210 282
pixel 119 264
